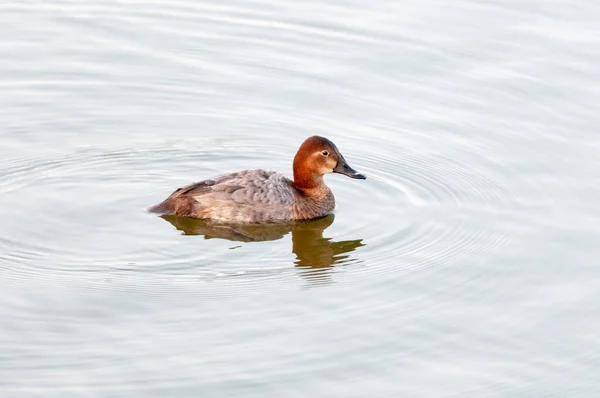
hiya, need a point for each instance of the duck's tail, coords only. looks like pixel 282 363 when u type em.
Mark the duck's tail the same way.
pixel 162 208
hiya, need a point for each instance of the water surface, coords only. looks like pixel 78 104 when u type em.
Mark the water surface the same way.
pixel 465 265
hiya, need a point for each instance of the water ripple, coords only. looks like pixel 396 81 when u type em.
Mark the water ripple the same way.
pixel 428 214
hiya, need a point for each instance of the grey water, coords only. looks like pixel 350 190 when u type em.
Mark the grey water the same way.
pixel 466 265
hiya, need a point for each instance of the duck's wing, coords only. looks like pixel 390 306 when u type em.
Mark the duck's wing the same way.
pixel 251 187
pixel 221 184
pixel 245 196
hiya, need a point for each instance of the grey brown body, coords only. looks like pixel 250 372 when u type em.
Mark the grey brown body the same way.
pixel 249 196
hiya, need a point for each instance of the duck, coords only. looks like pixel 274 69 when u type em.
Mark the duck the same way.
pixel 260 196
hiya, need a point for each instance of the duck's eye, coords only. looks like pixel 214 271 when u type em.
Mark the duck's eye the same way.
pixel 325 153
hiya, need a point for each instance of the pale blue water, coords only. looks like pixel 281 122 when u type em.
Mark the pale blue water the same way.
pixel 466 265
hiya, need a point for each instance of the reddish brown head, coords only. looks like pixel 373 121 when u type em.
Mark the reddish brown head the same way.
pixel 318 156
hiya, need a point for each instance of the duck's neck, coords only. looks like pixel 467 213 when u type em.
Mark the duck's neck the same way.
pixel 308 182
pixel 313 202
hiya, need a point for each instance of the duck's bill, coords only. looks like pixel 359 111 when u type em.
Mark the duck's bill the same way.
pixel 343 168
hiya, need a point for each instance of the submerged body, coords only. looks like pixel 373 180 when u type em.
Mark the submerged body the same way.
pixel 259 196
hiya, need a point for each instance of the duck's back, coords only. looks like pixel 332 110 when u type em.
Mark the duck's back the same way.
pixel 249 196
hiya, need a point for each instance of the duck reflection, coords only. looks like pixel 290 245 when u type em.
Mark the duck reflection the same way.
pixel 315 255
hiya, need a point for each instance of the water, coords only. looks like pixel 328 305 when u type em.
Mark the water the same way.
pixel 465 265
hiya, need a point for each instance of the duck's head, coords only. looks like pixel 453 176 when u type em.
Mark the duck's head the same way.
pixel 318 156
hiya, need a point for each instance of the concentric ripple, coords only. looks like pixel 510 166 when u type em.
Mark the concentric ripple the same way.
pixel 412 212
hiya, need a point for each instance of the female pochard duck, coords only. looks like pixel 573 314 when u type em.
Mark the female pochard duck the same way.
pixel 259 196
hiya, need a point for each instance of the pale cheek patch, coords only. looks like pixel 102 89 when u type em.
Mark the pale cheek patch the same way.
pixel 325 170
pixel 326 165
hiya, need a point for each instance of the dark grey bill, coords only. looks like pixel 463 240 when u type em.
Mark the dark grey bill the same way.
pixel 343 168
